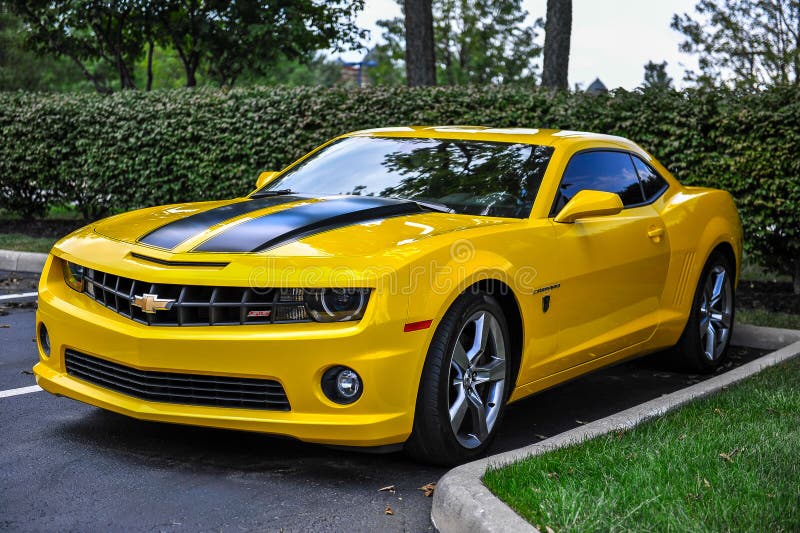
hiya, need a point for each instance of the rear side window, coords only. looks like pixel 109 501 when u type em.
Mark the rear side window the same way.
pixel 599 171
pixel 652 183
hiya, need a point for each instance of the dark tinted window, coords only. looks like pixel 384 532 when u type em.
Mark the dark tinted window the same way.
pixel 470 177
pixel 652 184
pixel 600 171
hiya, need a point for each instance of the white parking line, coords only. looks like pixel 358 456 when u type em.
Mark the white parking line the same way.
pixel 21 390
pixel 20 296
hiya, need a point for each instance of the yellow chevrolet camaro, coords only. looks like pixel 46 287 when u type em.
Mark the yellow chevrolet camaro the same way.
pixel 394 286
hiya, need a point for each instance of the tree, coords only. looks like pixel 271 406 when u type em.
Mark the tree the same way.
pixel 318 70
pixel 230 37
pixel 485 41
pixel 557 34
pixel 225 37
pixel 22 69
pixel 93 34
pixel 750 43
pixel 389 56
pixel 420 55
pixel 655 76
pixel 477 42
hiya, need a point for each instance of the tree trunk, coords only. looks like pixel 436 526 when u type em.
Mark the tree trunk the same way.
pixel 796 278
pixel 420 55
pixel 98 83
pixel 150 47
pixel 557 32
pixel 191 81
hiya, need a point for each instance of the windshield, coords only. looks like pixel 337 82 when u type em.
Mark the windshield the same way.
pixel 469 177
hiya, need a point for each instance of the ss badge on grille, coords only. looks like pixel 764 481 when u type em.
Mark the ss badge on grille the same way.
pixel 150 303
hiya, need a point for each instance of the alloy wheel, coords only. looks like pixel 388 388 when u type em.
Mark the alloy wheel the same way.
pixel 716 312
pixel 477 379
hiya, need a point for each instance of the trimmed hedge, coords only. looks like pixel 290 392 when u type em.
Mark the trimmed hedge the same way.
pixel 135 149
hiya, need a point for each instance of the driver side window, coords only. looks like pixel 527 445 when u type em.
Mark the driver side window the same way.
pixel 599 171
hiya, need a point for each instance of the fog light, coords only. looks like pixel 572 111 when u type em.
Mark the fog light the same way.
pixel 44 339
pixel 342 385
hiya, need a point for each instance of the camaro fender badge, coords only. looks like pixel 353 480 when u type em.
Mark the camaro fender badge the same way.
pixel 258 313
pixel 547 288
pixel 150 303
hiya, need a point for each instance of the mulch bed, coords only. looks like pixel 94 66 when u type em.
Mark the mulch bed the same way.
pixel 773 296
pixel 50 228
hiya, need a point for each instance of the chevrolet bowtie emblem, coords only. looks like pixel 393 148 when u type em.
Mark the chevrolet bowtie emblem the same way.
pixel 150 303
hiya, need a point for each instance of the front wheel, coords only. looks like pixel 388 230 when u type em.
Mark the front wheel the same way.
pixel 465 383
pixel 705 340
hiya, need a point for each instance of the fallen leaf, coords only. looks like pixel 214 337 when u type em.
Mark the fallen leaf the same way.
pixel 427 489
pixel 26 372
pixel 719 411
pixel 388 511
pixel 540 437
pixel 552 475
pixel 5 326
pixel 549 529
pixel 706 483
pixel 729 456
pixel 581 422
pixel 389 488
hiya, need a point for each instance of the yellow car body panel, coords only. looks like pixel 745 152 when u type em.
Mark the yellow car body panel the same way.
pixel 617 286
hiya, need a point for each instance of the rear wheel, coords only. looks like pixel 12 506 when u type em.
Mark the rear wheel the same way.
pixel 464 383
pixel 705 340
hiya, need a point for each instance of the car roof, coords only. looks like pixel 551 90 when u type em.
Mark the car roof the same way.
pixel 546 137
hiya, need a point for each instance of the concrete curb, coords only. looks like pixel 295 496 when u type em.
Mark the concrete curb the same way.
pixel 21 261
pixel 462 502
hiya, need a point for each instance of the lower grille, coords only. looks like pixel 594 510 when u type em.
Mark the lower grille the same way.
pixel 190 389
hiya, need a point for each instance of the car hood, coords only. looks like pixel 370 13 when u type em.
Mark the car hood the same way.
pixel 290 225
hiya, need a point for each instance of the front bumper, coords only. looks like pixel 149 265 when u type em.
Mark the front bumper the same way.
pixel 388 360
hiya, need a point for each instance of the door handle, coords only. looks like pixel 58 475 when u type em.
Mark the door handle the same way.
pixel 655 233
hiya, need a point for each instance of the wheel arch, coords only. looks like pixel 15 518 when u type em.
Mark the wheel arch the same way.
pixel 726 249
pixel 513 314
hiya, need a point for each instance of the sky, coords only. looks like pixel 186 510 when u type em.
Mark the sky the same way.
pixel 611 39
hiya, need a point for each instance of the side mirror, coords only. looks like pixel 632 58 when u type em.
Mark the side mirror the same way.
pixel 264 178
pixel 588 204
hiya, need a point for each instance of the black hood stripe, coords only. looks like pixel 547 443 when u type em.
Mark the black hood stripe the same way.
pixel 172 234
pixel 279 228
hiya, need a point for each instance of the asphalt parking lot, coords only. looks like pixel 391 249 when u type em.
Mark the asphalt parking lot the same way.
pixel 65 466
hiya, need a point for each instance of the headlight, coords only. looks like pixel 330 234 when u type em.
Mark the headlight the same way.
pixel 336 305
pixel 73 275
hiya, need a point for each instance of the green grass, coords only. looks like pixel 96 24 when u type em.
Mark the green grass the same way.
pixel 669 475
pixel 760 317
pixel 24 243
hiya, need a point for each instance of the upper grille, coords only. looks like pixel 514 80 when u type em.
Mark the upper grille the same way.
pixel 190 389
pixel 197 305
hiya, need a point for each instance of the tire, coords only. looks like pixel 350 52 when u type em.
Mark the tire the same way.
pixel 476 395
pixel 700 351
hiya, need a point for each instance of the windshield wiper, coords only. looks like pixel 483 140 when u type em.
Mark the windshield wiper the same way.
pixel 433 206
pixel 267 194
